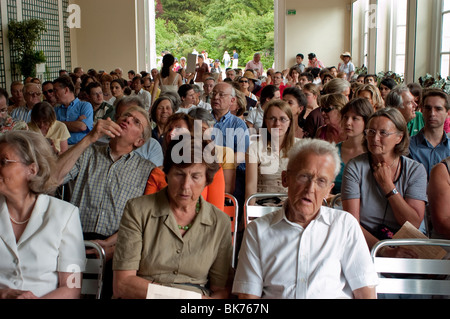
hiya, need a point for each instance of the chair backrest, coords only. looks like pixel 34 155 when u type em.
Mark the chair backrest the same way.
pixel 232 209
pixel 93 275
pixel 412 276
pixel 255 211
pixel 336 201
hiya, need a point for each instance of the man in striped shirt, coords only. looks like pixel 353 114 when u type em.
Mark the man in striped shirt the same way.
pixel 32 93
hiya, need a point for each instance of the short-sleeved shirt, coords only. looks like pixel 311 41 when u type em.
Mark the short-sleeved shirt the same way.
pixel 358 182
pixel 423 152
pixel 52 242
pixel 103 187
pixel 104 111
pixel 71 113
pixel 21 113
pixel 57 132
pixel 231 131
pixel 150 242
pixel 416 124
pixel 256 117
pixel 280 259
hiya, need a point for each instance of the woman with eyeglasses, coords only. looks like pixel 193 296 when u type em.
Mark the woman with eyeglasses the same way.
pixel 42 249
pixel 355 115
pixel 383 188
pixel 267 157
pixel 331 106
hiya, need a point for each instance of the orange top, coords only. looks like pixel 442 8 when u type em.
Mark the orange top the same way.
pixel 213 193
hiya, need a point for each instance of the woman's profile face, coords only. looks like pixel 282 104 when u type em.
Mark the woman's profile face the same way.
pixel 293 103
pixel 14 175
pixel 116 89
pixel 353 124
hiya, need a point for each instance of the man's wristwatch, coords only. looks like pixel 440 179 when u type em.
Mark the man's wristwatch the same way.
pixel 392 193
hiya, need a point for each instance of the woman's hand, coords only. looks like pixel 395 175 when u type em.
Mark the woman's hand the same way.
pixel 383 175
pixel 16 294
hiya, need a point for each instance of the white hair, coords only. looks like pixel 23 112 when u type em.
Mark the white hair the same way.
pixel 318 147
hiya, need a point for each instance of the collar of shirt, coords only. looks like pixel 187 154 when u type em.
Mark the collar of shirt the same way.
pixel 421 139
pixel 281 216
pixel 162 200
pixel 227 116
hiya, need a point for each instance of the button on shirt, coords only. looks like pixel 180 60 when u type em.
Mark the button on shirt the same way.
pixel 103 187
pixel 72 113
pixel 423 152
pixel 328 259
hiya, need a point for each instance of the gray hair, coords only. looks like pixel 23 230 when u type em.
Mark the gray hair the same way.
pixel 395 98
pixel 318 147
pixel 202 114
pixel 33 148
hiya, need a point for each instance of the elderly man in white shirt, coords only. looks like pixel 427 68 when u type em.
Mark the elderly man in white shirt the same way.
pixel 306 250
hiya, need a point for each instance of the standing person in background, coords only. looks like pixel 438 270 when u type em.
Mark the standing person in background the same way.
pixel 347 66
pixel 235 59
pixel 314 62
pixel 255 64
pixel 226 59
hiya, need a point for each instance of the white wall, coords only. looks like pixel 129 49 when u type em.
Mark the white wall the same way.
pixel 321 27
pixel 107 37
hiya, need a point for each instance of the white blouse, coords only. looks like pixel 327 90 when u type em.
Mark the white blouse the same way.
pixel 52 242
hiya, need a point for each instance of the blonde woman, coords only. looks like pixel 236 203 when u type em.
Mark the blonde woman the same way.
pixel 372 94
pixel 267 157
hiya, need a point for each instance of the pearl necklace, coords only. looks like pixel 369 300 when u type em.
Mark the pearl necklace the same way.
pixel 18 223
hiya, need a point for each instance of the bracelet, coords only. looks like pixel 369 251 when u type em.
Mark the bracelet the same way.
pixel 392 193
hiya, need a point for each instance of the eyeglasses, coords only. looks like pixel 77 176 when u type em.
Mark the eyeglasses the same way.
pixel 34 94
pixel 304 179
pixel 326 109
pixel 383 133
pixel 48 92
pixel 5 110
pixel 4 162
pixel 136 121
pixel 281 119
pixel 221 94
pixel 243 81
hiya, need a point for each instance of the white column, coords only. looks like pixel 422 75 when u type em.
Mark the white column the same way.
pixel 61 35
pixel 280 34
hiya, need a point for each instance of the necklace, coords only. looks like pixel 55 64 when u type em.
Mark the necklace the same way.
pixel 197 209
pixel 18 223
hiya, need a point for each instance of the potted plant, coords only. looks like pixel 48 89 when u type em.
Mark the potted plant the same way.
pixel 23 37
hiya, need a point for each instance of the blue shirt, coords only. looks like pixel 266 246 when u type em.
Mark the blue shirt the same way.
pixel 423 152
pixel 72 113
pixel 232 132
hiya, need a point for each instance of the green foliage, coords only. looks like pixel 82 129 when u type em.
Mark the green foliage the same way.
pixel 428 81
pixel 217 26
pixel 23 37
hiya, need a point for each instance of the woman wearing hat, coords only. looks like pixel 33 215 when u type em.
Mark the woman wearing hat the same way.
pixel 347 66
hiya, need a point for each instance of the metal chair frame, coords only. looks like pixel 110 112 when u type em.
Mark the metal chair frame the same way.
pixel 233 212
pixel 439 269
pixel 94 266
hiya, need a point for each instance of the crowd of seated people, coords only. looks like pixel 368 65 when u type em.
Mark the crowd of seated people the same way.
pixel 127 153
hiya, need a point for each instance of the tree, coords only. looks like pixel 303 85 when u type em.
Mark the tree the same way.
pixel 23 37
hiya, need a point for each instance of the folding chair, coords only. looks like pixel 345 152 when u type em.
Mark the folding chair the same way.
pixel 394 272
pixel 93 275
pixel 255 211
pixel 232 211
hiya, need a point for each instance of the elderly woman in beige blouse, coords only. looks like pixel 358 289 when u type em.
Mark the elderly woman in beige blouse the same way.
pixel 174 237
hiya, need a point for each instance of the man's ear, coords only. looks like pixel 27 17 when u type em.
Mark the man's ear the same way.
pixel 139 142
